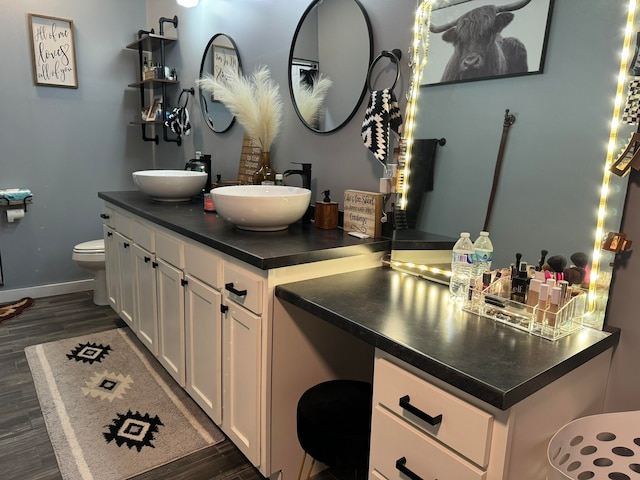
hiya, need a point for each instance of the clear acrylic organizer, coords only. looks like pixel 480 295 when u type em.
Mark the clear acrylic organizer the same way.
pixel 493 302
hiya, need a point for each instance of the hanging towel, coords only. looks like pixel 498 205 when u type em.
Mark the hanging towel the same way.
pixel 631 113
pixel 382 114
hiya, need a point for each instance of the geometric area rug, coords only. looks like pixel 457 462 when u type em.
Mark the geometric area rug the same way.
pixel 110 409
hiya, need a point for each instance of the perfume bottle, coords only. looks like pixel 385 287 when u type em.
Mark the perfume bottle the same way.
pixel 265 174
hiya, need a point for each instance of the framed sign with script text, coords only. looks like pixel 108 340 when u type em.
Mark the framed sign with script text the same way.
pixel 53 51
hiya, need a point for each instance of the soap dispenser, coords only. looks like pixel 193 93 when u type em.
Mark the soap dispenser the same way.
pixel 326 212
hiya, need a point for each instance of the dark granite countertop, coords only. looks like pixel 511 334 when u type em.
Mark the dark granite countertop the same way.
pixel 414 320
pixel 297 244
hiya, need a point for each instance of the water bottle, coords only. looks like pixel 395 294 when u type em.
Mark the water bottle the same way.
pixel 461 266
pixel 483 253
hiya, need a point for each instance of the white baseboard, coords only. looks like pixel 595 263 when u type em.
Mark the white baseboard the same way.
pixel 46 290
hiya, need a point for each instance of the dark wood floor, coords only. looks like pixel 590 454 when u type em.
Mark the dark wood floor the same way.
pixel 25 449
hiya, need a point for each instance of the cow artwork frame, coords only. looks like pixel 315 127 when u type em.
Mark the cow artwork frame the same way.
pixel 526 26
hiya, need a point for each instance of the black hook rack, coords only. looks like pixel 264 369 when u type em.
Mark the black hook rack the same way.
pixel 394 55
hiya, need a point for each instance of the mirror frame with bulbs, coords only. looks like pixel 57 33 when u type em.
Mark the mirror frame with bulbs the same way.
pixel 204 109
pixel 601 270
pixel 367 23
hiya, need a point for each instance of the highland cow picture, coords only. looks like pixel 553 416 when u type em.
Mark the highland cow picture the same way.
pixel 485 39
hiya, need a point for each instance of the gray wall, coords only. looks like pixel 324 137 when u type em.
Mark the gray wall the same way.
pixel 66 144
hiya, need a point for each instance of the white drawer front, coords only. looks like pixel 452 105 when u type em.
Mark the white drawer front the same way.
pixel 122 223
pixel 395 441
pixel 108 216
pixel 203 264
pixel 144 236
pixel 243 288
pixel 463 427
pixel 170 249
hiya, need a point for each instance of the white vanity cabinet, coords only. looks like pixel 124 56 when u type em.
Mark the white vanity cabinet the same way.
pixel 203 329
pixel 170 278
pixel 242 324
pixel 212 329
pixel 146 312
pixel 424 428
pixel 118 242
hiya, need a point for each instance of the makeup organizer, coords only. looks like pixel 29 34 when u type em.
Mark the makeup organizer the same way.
pixel 551 322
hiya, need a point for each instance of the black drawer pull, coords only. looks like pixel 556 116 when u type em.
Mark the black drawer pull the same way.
pixel 125 244
pixel 401 464
pixel 405 403
pixel 109 234
pixel 240 293
pixel 104 216
pixel 147 259
pixel 154 264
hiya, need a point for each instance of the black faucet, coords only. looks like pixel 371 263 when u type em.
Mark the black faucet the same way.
pixel 305 173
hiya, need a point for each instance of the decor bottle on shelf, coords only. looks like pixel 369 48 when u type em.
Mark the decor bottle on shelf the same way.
pixel 461 266
pixel 265 174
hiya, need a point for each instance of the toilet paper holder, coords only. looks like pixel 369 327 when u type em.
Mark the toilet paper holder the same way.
pixel 18 202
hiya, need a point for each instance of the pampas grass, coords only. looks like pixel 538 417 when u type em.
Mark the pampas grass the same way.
pixel 255 101
pixel 309 100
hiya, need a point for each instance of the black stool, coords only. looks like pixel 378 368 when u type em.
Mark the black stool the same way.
pixel 334 424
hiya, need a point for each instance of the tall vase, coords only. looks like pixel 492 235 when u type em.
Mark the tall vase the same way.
pixel 265 174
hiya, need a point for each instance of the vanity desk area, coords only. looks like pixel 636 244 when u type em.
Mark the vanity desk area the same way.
pixel 502 393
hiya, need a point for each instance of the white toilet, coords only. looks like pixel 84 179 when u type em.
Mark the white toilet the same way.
pixel 90 256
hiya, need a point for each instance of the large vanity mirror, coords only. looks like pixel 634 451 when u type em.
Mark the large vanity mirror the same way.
pixel 328 62
pixel 220 53
pixel 550 194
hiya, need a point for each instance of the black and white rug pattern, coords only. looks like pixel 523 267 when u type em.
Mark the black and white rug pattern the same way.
pixel 111 411
pixel 129 429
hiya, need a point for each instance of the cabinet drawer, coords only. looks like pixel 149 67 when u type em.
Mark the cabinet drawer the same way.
pixel 170 249
pixel 108 217
pixel 396 445
pixel 122 223
pixel 203 264
pixel 143 235
pixel 463 427
pixel 243 288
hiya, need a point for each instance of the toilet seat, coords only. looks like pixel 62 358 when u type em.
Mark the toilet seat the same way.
pixel 92 246
pixel 91 251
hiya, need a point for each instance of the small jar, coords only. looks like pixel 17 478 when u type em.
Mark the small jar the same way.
pixel 208 203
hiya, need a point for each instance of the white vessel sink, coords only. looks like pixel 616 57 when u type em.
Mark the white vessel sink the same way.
pixel 170 185
pixel 264 208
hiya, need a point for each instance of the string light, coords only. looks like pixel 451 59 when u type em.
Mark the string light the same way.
pixel 418 63
pixel 613 135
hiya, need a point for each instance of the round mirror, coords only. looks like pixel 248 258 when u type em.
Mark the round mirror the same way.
pixel 220 53
pixel 328 63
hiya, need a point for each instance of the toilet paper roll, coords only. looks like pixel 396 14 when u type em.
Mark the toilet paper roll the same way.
pixel 15 214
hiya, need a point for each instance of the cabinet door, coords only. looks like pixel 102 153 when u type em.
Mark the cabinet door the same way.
pixel 112 267
pixel 241 380
pixel 203 329
pixel 146 317
pixel 171 320
pixel 127 284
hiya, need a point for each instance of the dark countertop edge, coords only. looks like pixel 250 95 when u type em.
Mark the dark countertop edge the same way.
pixel 379 245
pixel 421 360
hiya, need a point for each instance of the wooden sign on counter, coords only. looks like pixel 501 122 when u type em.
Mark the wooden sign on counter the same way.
pixel 363 212
pixel 250 160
